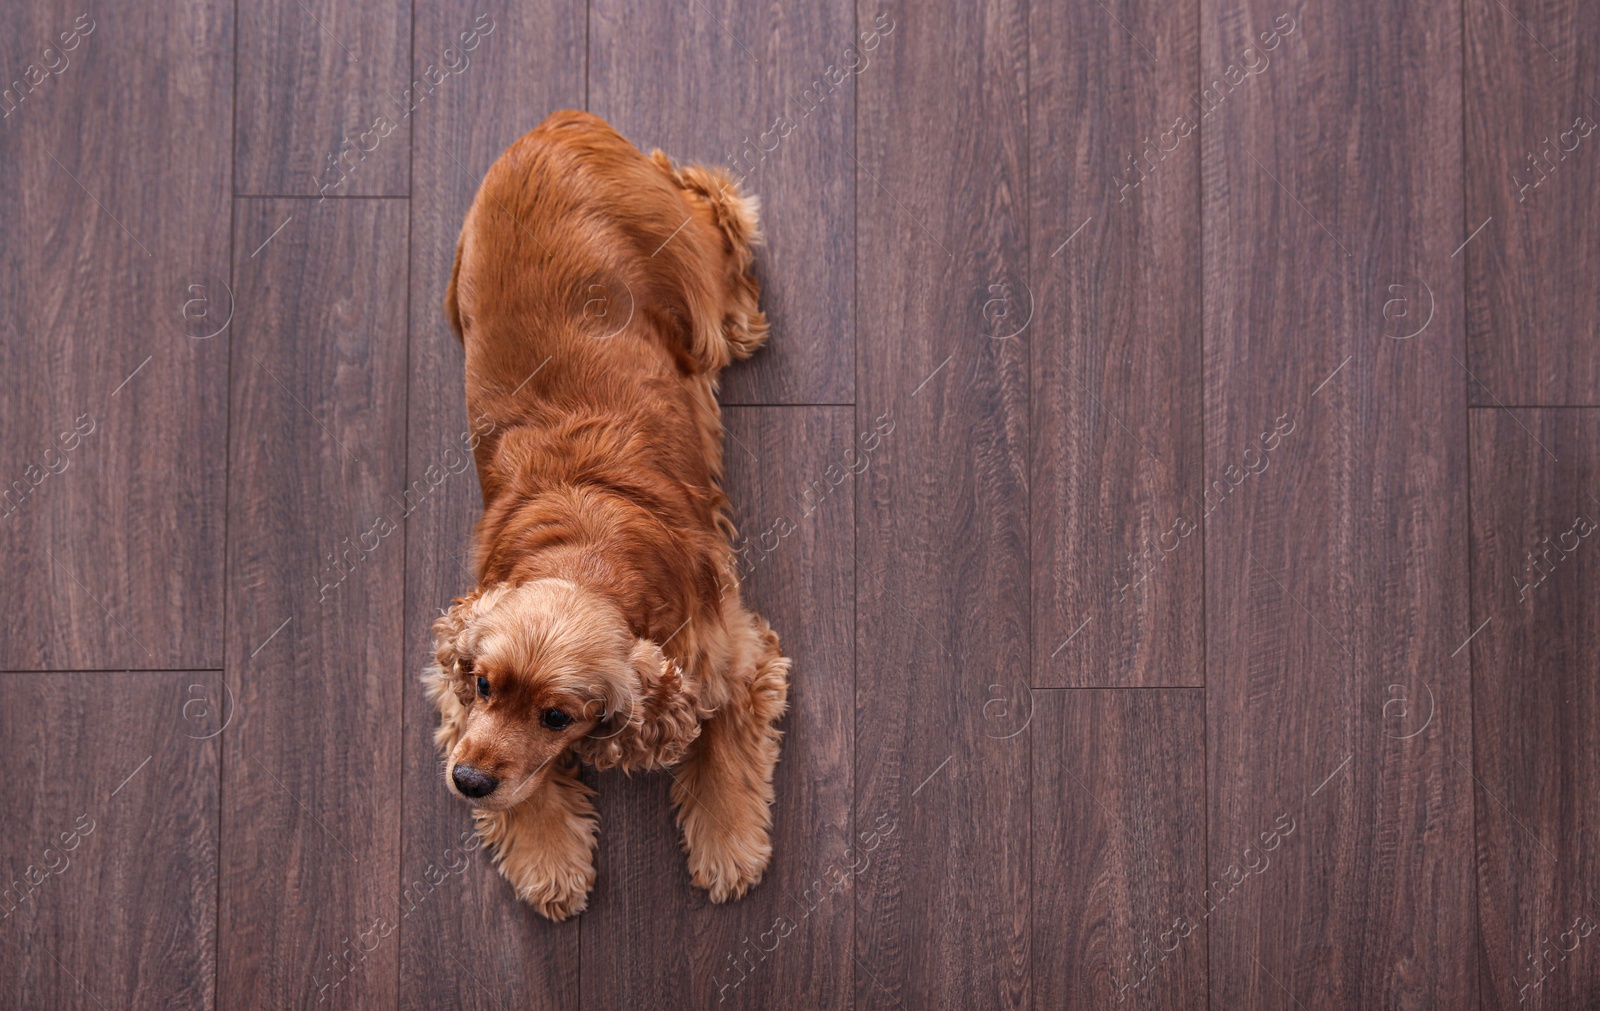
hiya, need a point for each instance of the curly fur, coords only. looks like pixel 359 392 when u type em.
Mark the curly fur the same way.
pixel 607 592
pixel 654 727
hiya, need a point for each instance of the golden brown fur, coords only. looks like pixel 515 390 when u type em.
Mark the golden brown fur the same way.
pixel 598 293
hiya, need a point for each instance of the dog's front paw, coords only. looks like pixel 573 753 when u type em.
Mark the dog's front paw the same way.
pixel 726 860
pixel 556 892
pixel 547 856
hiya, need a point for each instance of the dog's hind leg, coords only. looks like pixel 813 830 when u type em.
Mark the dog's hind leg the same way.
pixel 545 845
pixel 723 789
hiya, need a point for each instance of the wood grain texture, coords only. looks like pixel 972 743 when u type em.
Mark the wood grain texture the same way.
pixel 1532 105
pixel 1536 572
pixel 311 784
pixel 652 940
pixel 942 634
pixel 768 89
pixel 529 64
pixel 1117 348
pixel 1118 496
pixel 1118 832
pixel 114 145
pixel 109 891
pixel 1335 576
pixel 325 96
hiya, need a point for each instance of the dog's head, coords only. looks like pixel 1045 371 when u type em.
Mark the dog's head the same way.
pixel 548 667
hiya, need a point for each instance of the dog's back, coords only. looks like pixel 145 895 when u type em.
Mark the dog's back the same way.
pixel 598 292
pixel 576 238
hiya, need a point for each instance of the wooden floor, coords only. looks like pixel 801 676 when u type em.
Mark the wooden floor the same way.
pixel 1174 472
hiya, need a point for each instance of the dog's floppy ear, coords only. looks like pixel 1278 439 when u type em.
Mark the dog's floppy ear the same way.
pixel 449 635
pixel 650 721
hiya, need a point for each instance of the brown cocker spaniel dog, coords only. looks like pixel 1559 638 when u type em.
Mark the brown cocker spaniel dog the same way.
pixel 598 294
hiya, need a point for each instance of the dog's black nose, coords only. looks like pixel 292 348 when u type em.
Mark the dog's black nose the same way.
pixel 473 782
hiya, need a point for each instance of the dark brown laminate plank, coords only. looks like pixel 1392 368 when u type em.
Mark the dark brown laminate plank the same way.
pixel 1532 109
pixel 528 63
pixel 767 89
pixel 1119 830
pixel 1336 568
pixel 1118 502
pixel 942 573
pixel 1535 525
pixel 109 892
pixel 113 378
pixel 325 97
pixel 311 797
pixel 652 940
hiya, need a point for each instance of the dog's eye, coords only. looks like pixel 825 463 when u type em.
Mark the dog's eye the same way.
pixel 483 687
pixel 555 719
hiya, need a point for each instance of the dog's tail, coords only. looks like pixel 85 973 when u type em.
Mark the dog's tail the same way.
pixel 737 217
